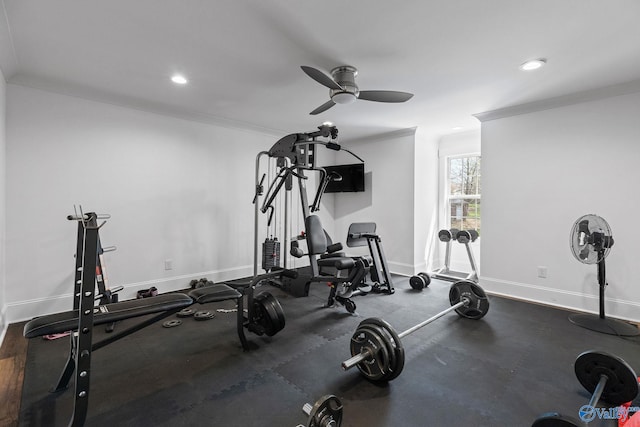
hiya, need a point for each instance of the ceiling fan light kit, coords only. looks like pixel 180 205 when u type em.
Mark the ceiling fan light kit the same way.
pixel 344 90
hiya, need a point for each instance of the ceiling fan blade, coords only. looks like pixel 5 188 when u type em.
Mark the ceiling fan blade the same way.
pixel 323 107
pixel 384 95
pixel 321 77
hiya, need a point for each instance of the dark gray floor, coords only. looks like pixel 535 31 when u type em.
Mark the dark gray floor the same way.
pixel 502 370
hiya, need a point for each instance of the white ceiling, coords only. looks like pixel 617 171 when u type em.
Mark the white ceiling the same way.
pixel 458 57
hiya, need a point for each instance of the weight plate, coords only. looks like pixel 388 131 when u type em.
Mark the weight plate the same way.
pixel 478 302
pixel 172 323
pixel 388 342
pixel 203 315
pixel 268 313
pixel 326 412
pixel 186 312
pixel 397 344
pixel 554 419
pixel 622 383
pixel 376 366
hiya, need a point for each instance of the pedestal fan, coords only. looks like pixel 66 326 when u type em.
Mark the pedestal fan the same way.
pixel 591 242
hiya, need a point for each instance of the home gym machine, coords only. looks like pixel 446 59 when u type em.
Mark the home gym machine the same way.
pixel 295 155
pixel 607 377
pixel 264 313
pixel 376 348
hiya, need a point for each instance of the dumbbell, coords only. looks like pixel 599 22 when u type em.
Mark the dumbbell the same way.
pixel 466 236
pixel 376 348
pixel 606 377
pixel 420 281
pixel 447 235
pixel 326 412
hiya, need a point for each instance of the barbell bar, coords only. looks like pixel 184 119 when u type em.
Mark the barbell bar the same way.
pixel 376 348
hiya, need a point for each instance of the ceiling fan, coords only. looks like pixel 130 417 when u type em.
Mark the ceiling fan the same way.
pixel 345 91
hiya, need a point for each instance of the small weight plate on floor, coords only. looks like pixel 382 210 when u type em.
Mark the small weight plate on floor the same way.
pixel 622 383
pixel 203 315
pixel 172 323
pixel 376 366
pixel 479 303
pixel 554 419
pixel 397 344
pixel 186 312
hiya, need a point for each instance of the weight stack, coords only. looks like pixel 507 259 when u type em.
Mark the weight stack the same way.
pixel 270 254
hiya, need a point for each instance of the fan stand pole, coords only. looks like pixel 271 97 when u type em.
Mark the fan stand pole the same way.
pixel 601 323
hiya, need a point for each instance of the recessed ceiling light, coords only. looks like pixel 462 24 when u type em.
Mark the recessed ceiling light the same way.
pixel 327 124
pixel 179 79
pixel 534 64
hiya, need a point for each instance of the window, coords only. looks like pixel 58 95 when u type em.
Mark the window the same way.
pixel 463 196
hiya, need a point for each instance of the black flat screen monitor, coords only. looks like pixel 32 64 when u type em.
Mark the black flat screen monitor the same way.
pixel 352 178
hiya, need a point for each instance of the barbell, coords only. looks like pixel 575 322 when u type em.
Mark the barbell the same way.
pixel 606 377
pixel 326 412
pixel 376 348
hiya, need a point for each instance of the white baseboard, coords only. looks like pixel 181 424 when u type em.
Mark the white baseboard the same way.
pixel 401 268
pixel 28 309
pixel 614 308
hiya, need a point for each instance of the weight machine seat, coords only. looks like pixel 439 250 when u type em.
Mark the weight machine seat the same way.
pixel 215 293
pixel 108 313
pixel 341 263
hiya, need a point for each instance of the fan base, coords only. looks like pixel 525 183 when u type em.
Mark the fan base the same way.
pixel 605 326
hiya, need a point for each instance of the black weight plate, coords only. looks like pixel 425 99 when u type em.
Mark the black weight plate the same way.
pixel 375 367
pixel 203 315
pixel 479 303
pixel 622 383
pixel 388 342
pixel 397 344
pixel 444 235
pixel 327 411
pixel 417 282
pixel 268 313
pixel 276 312
pixel 172 323
pixel 186 312
pixel 554 419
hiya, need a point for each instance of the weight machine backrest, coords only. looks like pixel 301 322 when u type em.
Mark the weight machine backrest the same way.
pixel 316 237
pixel 357 234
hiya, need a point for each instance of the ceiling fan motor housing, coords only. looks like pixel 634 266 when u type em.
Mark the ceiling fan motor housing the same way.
pixel 345 76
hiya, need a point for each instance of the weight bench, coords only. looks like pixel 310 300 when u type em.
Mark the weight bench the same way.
pixel 85 315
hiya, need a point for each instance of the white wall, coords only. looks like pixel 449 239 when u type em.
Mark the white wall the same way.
pixel 3 144
pixel 425 221
pixel 176 190
pixel 388 196
pixel 543 170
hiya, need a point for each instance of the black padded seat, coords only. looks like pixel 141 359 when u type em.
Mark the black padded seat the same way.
pixel 337 262
pixel 108 313
pixel 215 293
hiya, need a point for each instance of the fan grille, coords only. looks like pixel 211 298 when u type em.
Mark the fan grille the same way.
pixel 590 239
